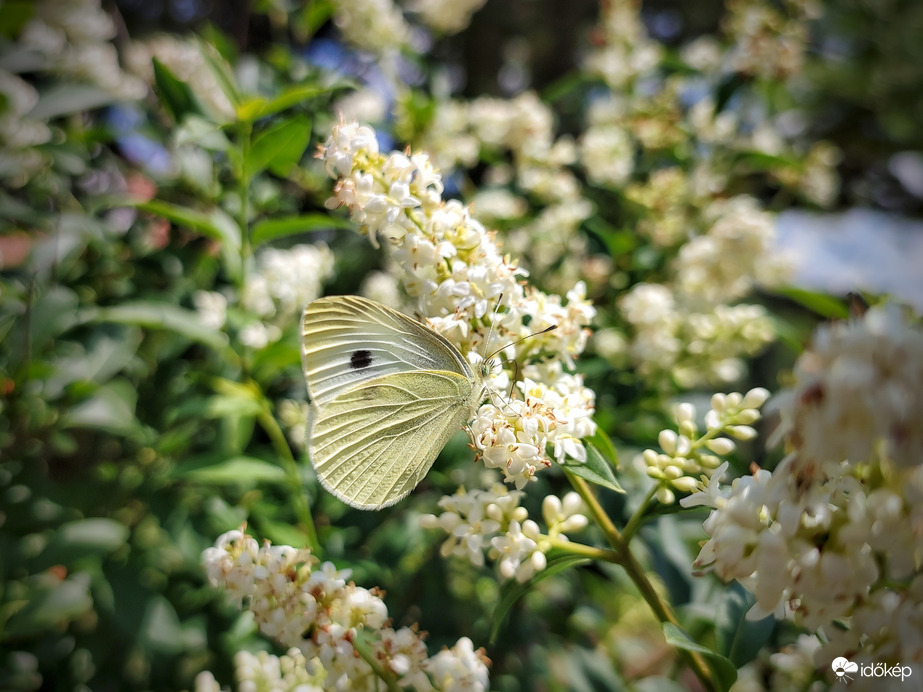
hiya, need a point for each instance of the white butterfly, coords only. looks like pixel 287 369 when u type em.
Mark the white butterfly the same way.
pixel 386 394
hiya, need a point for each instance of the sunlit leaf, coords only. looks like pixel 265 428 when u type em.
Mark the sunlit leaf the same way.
pixel 78 540
pixel 272 229
pixel 64 99
pixel 153 315
pixel 221 71
pixel 111 408
pixel 820 303
pixel 160 629
pixel 50 606
pixel 238 469
pixel 280 147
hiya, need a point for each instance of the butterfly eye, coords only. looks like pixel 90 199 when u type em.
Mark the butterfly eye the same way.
pixel 360 359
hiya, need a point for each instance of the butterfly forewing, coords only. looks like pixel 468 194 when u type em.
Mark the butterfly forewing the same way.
pixel 348 339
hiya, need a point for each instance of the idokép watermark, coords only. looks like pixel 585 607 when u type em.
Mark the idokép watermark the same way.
pixel 846 670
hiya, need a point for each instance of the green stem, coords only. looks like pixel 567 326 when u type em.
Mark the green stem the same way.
pixel 583 550
pixel 243 190
pixel 636 573
pixel 290 466
pixel 634 522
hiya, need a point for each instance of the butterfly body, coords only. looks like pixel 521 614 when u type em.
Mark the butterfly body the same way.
pixel 386 394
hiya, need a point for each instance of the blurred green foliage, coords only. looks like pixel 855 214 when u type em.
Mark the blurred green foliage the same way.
pixel 132 433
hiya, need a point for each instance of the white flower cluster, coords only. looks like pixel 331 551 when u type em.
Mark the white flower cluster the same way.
pixel 626 50
pixel 19 134
pixel 691 329
pixel 858 387
pixel 521 130
pixel 492 522
pixel 64 39
pixel 455 270
pixel 834 536
pixel 278 287
pixel 687 455
pixel 316 611
pixel 446 16
pixel 373 25
pixel 264 671
pixel 693 347
pixel 769 42
pixel 73 36
pixel 723 264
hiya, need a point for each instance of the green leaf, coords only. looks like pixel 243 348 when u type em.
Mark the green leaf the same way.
pixel 604 445
pixel 280 147
pixel 213 225
pixel 292 96
pixel 13 16
pixel 52 314
pixel 820 303
pixel 739 639
pixel 222 72
pixel 272 229
pixel 202 132
pixel 164 316
pixel 512 590
pixel 160 629
pixel 595 470
pixel 78 540
pixel 724 670
pixel 176 96
pixel 283 533
pixel 242 470
pixel 64 99
pixel 111 409
pixel 311 17
pixel 49 606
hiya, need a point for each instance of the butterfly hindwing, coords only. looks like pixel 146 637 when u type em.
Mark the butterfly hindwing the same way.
pixel 373 443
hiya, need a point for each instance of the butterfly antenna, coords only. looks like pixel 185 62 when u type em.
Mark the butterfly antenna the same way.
pixel 490 331
pixel 519 341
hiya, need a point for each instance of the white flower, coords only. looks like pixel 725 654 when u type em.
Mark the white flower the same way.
pixel 517 551
pixel 446 16
pixel 607 152
pixel 459 669
pixel 373 25
pixel 212 308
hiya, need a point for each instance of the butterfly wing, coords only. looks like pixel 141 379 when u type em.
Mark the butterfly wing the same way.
pixel 375 442
pixel 386 395
pixel 348 340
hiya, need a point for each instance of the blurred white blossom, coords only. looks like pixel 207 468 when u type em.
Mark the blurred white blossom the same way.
pixel 377 26
pixel 318 613
pixel 445 16
pixel 834 536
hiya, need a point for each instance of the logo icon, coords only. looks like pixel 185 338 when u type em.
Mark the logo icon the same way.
pixel 842 666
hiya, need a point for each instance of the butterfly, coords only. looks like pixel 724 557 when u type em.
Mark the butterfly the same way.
pixel 386 394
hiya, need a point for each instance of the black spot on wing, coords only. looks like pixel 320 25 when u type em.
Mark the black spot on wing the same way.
pixel 360 359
